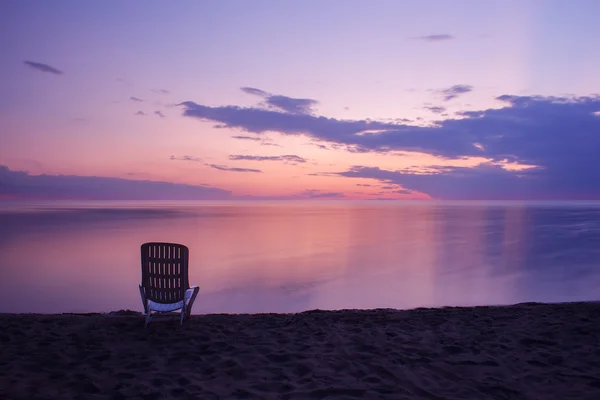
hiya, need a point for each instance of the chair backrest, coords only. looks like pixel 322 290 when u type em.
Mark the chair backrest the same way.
pixel 165 271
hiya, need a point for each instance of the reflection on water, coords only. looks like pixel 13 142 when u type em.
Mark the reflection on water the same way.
pixel 294 256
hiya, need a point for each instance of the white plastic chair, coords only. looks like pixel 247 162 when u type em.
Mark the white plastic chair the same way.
pixel 165 286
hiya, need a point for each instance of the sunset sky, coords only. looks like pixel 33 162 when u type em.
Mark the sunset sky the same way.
pixel 300 99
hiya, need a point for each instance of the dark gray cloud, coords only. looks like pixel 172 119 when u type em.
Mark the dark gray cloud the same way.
pixel 247 138
pixel 363 184
pixel 436 37
pixel 140 113
pixel 226 168
pixel 254 91
pixel 559 135
pixel 20 184
pixel 255 120
pixel 436 109
pixel 321 174
pixel 132 98
pixel 486 182
pixel 160 91
pixel 318 194
pixel 320 146
pixel 283 103
pixel 289 158
pixel 160 114
pixel 291 105
pixel 185 158
pixel 43 67
pixel 264 143
pixel 455 91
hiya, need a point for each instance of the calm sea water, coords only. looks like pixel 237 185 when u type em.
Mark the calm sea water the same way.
pixel 295 256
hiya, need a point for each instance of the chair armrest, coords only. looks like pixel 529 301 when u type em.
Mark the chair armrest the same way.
pixel 190 296
pixel 192 291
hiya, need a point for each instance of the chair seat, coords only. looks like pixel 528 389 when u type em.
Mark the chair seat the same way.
pixel 166 307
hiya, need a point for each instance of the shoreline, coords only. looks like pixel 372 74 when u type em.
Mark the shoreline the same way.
pixel 521 351
pixel 135 313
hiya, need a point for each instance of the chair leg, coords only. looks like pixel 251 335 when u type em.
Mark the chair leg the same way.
pixel 148 317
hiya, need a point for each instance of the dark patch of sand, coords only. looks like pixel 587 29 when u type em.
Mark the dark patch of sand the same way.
pixel 527 351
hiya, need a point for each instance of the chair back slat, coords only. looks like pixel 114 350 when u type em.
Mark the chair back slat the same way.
pixel 165 271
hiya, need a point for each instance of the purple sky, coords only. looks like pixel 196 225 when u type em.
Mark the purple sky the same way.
pixel 300 99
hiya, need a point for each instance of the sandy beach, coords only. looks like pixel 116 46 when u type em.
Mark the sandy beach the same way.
pixel 526 351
